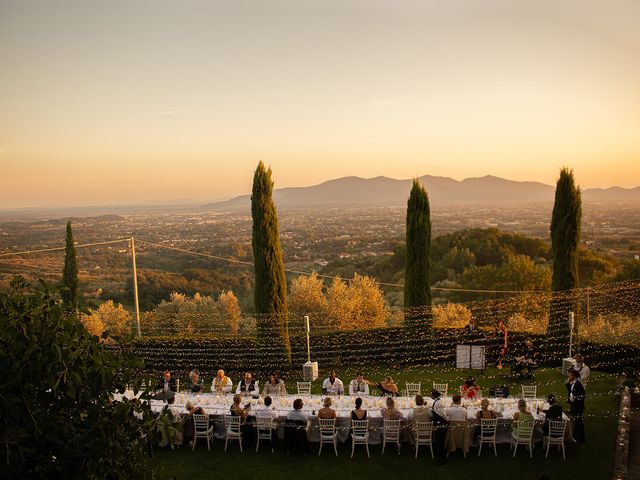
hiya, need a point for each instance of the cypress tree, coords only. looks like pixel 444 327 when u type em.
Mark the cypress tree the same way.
pixel 417 278
pixel 270 289
pixel 565 239
pixel 70 292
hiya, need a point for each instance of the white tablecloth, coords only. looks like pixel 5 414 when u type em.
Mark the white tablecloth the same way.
pixel 217 405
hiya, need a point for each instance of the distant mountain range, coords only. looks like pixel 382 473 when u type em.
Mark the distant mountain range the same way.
pixel 383 191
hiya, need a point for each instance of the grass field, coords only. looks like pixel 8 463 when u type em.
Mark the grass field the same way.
pixel 593 460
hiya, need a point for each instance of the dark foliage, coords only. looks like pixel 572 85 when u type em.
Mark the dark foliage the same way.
pixel 270 288
pixel 417 277
pixel 70 291
pixel 565 240
pixel 55 386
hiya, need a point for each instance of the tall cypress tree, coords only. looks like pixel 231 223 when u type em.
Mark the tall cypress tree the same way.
pixel 270 289
pixel 70 291
pixel 565 239
pixel 417 278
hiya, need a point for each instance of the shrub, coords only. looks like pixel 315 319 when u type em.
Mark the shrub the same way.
pixel 56 382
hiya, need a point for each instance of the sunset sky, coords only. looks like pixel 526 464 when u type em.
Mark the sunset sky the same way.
pixel 112 102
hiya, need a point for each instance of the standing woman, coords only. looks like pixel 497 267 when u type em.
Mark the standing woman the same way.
pixel 503 341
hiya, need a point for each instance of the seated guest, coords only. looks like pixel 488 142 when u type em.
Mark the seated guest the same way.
pixel 268 410
pixel 457 415
pixel 469 389
pixel 359 386
pixel 326 411
pixel 166 387
pixel 238 410
pixel 295 432
pixel 194 385
pixel 524 364
pixel 297 414
pixel 175 410
pixel 483 414
pixel 388 387
pixel 274 386
pixel 221 383
pixel 390 412
pixel 421 412
pixel 554 412
pixel 522 415
pixel 246 427
pixel 358 413
pixel 248 385
pixel 332 385
pixel 188 430
pixel 456 412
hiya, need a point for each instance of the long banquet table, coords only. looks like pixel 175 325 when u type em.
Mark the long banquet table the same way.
pixel 217 405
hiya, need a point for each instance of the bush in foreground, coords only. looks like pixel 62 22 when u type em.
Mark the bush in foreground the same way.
pixel 56 380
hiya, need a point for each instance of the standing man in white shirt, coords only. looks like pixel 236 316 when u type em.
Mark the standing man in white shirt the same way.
pixel 332 385
pixel 583 370
pixel 359 386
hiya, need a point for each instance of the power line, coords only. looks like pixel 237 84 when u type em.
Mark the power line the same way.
pixel 300 272
pixel 242 262
pixel 207 255
pixel 55 249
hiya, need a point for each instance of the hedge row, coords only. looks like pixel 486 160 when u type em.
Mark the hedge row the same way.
pixel 395 347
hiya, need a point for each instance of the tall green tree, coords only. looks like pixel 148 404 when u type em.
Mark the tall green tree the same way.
pixel 417 279
pixel 270 290
pixel 565 240
pixel 70 291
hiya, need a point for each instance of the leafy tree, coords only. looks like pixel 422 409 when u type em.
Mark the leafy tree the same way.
pixel 517 273
pixel 305 298
pixel 565 239
pixel 340 304
pixel 157 286
pixel 595 269
pixel 630 270
pixel 370 310
pixel 451 315
pixel 230 309
pixel 185 315
pixel 455 261
pixel 56 382
pixel 270 290
pixel 358 304
pixel 110 317
pixel 489 246
pixel 417 277
pixel 70 292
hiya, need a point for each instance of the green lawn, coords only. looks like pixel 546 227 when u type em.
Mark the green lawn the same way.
pixel 593 460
